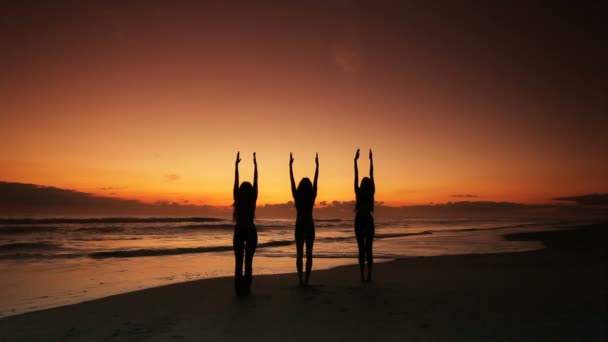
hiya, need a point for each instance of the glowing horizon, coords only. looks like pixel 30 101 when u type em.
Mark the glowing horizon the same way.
pixel 123 102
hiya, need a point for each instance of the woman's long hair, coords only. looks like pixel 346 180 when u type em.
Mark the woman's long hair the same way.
pixel 365 197
pixel 304 195
pixel 244 204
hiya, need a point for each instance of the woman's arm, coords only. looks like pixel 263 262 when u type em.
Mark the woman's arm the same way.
pixel 235 191
pixel 314 184
pixel 356 173
pixel 293 183
pixel 371 170
pixel 255 177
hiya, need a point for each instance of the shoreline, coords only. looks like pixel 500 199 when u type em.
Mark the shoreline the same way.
pixel 557 292
pixel 47 282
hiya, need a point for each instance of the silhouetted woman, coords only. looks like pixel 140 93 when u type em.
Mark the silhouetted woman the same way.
pixel 364 221
pixel 304 197
pixel 245 238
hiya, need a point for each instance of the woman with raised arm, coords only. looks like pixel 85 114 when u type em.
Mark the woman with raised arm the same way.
pixel 304 198
pixel 364 221
pixel 245 239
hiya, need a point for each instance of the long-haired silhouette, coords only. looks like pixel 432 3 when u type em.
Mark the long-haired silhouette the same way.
pixel 364 220
pixel 304 197
pixel 245 239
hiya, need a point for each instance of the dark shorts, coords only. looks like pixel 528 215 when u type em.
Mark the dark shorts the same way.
pixel 364 226
pixel 245 235
pixel 305 231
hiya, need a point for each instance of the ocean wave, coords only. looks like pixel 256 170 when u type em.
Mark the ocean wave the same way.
pixel 337 255
pixel 21 255
pixel 157 252
pixel 18 246
pixel 376 236
pixel 394 235
pixel 225 248
pixel 69 246
pixel 177 251
pixel 276 243
pixel 205 226
pixel 145 230
pixel 113 229
pixel 13 230
pixel 329 225
pixel 101 230
pixel 489 228
pixel 110 220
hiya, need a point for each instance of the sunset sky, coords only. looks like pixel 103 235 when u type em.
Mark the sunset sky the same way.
pixel 153 101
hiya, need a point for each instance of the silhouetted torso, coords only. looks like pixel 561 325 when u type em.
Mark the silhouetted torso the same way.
pixel 244 224
pixel 363 207
pixel 304 214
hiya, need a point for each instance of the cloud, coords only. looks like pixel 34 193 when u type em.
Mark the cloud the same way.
pixel 112 188
pixel 464 196
pixel 20 199
pixel 347 58
pixel 591 199
pixel 31 200
pixel 172 177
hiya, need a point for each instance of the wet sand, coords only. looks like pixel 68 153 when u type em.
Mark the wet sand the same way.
pixel 558 293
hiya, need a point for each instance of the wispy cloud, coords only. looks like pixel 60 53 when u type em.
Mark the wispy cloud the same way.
pixel 172 177
pixel 464 196
pixel 111 188
pixel 591 199
pixel 347 58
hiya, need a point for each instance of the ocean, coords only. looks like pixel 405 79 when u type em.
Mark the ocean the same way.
pixel 51 262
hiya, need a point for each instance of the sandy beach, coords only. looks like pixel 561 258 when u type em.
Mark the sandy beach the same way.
pixel 558 293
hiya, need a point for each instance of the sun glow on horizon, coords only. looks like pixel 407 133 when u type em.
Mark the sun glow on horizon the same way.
pixel 135 107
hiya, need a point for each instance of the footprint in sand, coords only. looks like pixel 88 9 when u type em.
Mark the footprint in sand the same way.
pixel 326 301
pixel 70 332
pixel 424 325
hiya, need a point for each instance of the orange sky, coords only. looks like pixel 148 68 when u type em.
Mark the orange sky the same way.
pixel 154 103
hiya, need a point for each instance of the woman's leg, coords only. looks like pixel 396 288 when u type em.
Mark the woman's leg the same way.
pixel 369 244
pixel 309 245
pixel 361 245
pixel 238 247
pixel 252 244
pixel 299 255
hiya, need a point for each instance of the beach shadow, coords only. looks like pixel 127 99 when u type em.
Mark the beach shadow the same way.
pixel 310 288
